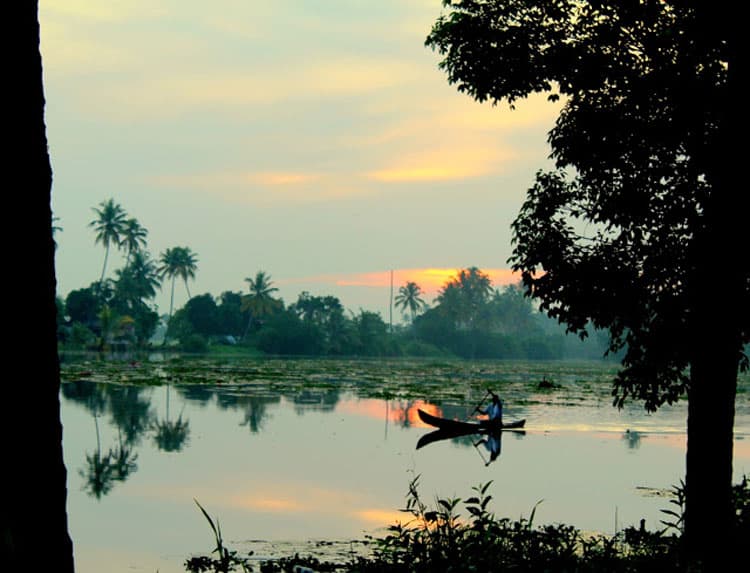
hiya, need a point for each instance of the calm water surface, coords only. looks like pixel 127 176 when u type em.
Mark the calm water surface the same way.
pixel 326 464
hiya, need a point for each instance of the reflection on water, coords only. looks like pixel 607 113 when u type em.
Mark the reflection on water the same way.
pixel 632 438
pixel 171 435
pixel 301 464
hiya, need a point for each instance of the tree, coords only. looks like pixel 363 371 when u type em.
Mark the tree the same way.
pixel 177 262
pixel 82 305
pixel 34 340
pixel 133 237
pixel 259 302
pixel 203 315
pixel 137 281
pixel 230 315
pixel 647 162
pixel 109 225
pixel 325 313
pixel 409 298
pixel 463 299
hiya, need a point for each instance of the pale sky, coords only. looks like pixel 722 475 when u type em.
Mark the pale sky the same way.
pixel 316 140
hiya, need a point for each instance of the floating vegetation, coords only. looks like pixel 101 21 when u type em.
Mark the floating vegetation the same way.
pixel 451 381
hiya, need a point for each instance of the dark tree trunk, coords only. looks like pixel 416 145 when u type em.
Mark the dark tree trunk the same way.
pixel 34 519
pixel 717 307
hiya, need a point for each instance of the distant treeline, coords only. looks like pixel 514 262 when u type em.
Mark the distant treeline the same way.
pixel 469 318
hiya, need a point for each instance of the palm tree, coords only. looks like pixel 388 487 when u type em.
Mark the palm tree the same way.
pixel 259 302
pixel 133 237
pixel 409 298
pixel 177 262
pixel 109 225
pixel 139 279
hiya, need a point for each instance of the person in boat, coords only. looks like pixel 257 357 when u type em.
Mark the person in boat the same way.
pixel 494 411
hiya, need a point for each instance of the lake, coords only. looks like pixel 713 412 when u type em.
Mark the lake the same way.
pixel 290 453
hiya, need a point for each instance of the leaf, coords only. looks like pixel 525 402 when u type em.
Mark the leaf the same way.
pixel 447 504
pixel 208 517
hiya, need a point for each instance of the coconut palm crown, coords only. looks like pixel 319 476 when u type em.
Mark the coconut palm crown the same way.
pixel 109 225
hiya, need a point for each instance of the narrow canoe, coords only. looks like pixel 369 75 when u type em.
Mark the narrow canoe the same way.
pixel 468 427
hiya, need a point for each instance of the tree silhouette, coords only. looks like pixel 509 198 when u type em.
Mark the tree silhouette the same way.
pixel 409 298
pixel 138 280
pixel 177 262
pixel 259 302
pixel 133 237
pixel 109 225
pixel 647 162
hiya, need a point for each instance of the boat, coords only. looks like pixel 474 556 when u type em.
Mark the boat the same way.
pixel 482 426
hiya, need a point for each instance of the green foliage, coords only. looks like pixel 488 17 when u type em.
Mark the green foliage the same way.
pixel 195 343
pixel 82 306
pixel 203 314
pixel 229 310
pixel 81 336
pixel 440 539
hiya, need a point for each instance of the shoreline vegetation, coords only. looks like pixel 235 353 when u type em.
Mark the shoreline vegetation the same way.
pixel 469 318
pixel 463 535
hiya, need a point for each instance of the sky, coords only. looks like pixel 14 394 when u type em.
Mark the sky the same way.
pixel 316 140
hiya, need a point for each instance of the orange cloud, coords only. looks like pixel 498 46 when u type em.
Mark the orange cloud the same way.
pixel 429 279
pixel 457 160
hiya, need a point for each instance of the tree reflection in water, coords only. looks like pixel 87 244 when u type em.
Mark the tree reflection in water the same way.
pixel 103 470
pixel 171 436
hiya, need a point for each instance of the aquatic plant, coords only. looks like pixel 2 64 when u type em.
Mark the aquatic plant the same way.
pixel 226 559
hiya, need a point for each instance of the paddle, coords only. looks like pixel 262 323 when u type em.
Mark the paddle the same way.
pixel 476 408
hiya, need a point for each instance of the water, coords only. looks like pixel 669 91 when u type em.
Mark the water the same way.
pixel 296 465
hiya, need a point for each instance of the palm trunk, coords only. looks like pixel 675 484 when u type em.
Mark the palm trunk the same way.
pixel 247 328
pixel 169 320
pixel 104 268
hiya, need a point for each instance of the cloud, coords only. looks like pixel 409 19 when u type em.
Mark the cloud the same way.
pixel 446 162
pixel 431 280
pixel 110 11
pixel 264 187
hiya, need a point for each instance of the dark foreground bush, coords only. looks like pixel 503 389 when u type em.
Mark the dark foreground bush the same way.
pixel 440 539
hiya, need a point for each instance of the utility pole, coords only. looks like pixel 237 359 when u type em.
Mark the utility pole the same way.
pixel 390 308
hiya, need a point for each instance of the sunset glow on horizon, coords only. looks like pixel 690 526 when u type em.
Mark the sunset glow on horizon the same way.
pixel 431 280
